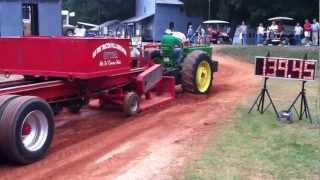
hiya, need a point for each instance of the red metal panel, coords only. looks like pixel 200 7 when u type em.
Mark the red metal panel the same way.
pixel 81 58
pixel 49 90
pixel 148 79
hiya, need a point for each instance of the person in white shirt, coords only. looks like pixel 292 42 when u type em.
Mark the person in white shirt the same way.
pixel 274 27
pixel 80 32
pixel 272 30
pixel 315 27
pixel 243 33
pixel 298 30
pixel 260 34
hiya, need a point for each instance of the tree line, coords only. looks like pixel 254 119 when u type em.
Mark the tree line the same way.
pixel 251 11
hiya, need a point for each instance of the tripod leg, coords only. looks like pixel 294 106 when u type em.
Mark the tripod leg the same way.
pixel 301 107
pixel 294 102
pixel 308 109
pixel 305 107
pixel 255 102
pixel 274 107
pixel 261 104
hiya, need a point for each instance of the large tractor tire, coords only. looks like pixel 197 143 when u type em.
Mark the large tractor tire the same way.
pixel 26 129
pixel 4 100
pixel 197 72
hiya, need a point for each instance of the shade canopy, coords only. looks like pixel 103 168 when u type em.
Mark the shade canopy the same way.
pixel 216 22
pixel 280 19
pixel 136 19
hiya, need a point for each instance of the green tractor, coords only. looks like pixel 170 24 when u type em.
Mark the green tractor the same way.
pixel 193 68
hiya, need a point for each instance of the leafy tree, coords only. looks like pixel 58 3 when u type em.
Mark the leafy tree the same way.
pixel 252 11
pixel 99 11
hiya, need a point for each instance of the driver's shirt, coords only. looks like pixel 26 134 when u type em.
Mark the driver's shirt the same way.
pixel 171 41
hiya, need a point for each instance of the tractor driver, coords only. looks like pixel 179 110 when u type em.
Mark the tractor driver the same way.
pixel 173 42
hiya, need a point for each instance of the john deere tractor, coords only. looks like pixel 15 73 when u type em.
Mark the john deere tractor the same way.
pixel 193 68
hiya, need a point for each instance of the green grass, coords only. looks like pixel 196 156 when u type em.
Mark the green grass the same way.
pixel 255 146
pixel 259 148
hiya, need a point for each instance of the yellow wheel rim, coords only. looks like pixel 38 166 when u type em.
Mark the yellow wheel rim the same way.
pixel 203 76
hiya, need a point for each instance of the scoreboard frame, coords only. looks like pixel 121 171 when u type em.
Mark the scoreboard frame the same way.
pixel 286 68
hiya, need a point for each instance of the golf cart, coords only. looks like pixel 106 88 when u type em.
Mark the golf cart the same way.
pixel 283 34
pixel 84 29
pixel 217 31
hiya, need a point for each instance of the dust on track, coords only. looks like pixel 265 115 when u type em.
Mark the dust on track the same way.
pixel 153 145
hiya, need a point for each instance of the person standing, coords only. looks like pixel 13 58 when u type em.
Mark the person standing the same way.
pixel 190 32
pixel 298 30
pixel 260 34
pixel 307 32
pixel 315 27
pixel 244 33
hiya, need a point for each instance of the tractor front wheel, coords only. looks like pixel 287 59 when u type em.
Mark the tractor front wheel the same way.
pixel 197 73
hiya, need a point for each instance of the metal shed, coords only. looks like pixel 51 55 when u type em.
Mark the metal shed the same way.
pixel 30 17
pixel 154 16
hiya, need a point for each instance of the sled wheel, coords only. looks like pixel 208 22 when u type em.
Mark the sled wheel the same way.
pixel 131 104
pixel 197 73
pixel 26 128
pixel 75 109
pixel 4 100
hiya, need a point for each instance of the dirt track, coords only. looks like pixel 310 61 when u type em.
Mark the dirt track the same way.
pixel 153 145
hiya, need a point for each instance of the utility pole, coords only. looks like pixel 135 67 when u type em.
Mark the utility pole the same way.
pixel 209 10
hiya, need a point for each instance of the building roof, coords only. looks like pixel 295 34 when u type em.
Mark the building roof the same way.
pixel 174 2
pixel 108 23
pixel 136 19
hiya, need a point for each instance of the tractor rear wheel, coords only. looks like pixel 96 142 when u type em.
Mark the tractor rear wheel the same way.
pixel 197 72
pixel 131 104
pixel 26 129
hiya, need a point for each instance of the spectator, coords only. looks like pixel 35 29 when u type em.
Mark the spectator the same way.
pixel 203 35
pixel 243 33
pixel 307 32
pixel 260 34
pixel 190 32
pixel 315 27
pixel 298 30
pixel 280 29
pixel 274 27
pixel 272 30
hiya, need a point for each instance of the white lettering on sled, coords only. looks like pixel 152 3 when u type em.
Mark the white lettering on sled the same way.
pixel 106 46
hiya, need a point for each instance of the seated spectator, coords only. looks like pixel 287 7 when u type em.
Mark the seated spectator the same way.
pixel 272 30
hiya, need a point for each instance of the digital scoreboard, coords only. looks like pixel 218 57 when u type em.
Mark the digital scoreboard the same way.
pixel 286 68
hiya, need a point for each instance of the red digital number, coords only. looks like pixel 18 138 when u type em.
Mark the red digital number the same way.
pixel 298 67
pixel 272 67
pixel 283 66
pixel 308 73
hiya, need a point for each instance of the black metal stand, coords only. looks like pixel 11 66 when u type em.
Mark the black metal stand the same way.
pixel 304 106
pixel 261 101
